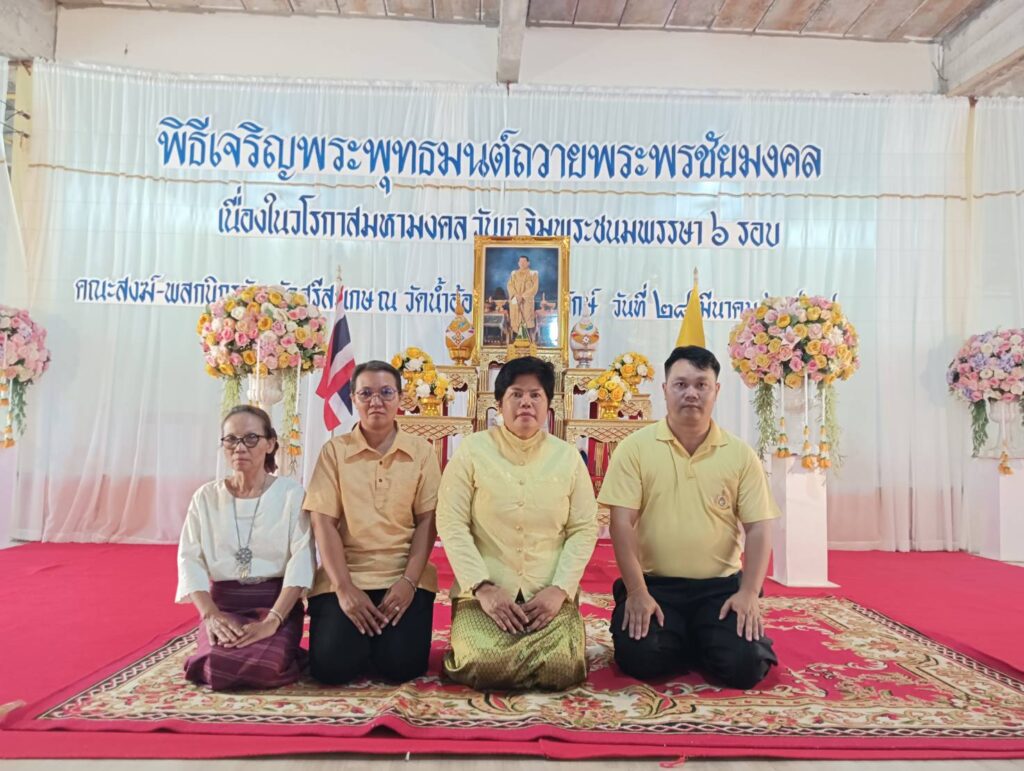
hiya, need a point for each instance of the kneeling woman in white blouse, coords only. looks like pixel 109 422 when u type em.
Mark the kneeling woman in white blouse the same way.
pixel 244 560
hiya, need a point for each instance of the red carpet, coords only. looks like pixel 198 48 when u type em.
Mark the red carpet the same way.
pixel 75 610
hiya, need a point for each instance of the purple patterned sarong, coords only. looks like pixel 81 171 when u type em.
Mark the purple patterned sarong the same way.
pixel 275 661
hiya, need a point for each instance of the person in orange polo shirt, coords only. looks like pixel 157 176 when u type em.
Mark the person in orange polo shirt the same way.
pixel 371 501
pixel 683 494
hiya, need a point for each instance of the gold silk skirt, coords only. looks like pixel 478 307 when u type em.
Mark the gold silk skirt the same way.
pixel 488 659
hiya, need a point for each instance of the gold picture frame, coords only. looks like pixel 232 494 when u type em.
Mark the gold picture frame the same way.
pixel 495 312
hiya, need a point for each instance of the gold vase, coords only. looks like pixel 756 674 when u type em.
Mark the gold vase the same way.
pixel 460 354
pixel 608 409
pixel 430 406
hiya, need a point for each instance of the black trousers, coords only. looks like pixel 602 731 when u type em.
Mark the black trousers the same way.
pixel 692 638
pixel 339 653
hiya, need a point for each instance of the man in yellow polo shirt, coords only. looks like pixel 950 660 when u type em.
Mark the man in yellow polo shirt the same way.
pixel 371 501
pixel 682 493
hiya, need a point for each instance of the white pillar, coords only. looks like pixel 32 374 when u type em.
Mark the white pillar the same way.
pixel 997 508
pixel 800 547
pixel 8 473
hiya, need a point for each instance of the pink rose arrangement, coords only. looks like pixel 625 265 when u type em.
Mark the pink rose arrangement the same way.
pixel 265 330
pixel 988 368
pixel 794 342
pixel 264 327
pixel 24 357
pixel 785 339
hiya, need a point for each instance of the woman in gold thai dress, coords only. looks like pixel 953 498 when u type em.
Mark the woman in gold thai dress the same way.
pixel 517 516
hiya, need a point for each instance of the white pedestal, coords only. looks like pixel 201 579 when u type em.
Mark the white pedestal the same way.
pixel 997 505
pixel 800 550
pixel 8 473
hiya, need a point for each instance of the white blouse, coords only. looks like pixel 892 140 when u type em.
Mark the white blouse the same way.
pixel 281 544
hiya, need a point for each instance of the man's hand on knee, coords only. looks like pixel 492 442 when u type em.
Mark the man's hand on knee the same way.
pixel 749 621
pixel 640 606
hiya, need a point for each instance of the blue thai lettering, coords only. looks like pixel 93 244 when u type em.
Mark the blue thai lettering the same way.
pixel 387 300
pixel 810 161
pixel 719 233
pixel 172 142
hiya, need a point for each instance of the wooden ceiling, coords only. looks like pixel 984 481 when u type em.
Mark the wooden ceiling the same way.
pixel 895 20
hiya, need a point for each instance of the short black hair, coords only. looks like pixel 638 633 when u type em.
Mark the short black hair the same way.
pixel 699 357
pixel 524 257
pixel 525 365
pixel 269 462
pixel 375 365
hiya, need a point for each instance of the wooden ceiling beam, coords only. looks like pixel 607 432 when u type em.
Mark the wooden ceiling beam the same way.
pixel 934 16
pixel 316 7
pixel 740 15
pixel 362 8
pixel 882 19
pixel 694 14
pixel 552 11
pixel 646 13
pixel 457 10
pixel 282 7
pixel 604 13
pixel 410 9
pixel 176 5
pixel 835 17
pixel 788 15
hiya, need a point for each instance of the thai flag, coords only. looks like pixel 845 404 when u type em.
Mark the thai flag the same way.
pixel 336 383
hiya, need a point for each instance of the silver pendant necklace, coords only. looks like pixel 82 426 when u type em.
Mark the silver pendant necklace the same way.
pixel 243 557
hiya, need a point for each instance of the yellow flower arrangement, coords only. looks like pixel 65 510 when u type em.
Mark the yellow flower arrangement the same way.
pixel 434 384
pixel 422 380
pixel 412 363
pixel 633 368
pixel 610 390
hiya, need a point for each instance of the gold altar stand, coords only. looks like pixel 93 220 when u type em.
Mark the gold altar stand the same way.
pixel 601 436
pixel 438 429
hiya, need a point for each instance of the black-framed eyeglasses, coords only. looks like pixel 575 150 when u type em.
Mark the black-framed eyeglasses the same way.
pixel 249 440
pixel 386 394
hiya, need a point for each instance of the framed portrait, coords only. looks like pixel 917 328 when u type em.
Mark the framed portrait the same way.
pixel 521 284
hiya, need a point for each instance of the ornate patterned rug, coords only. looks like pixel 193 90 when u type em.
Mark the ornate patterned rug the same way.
pixel 849 678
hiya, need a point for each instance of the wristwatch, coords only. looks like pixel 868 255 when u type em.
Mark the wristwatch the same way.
pixel 476 587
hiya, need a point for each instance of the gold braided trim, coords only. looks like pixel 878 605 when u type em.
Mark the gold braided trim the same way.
pixel 434 428
pixel 605 431
pixel 538 190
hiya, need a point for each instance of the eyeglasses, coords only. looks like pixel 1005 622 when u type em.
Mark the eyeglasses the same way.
pixel 386 394
pixel 249 440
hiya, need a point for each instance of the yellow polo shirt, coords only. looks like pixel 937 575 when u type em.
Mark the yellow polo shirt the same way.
pixel 692 508
pixel 375 499
pixel 520 513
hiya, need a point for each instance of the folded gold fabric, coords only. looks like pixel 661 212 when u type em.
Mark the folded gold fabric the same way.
pixel 488 659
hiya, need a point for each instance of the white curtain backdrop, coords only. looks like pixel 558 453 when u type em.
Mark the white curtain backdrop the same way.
pixel 13 269
pixel 996 271
pixel 998 213
pixel 124 427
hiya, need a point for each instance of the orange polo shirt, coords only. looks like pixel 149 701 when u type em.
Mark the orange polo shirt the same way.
pixel 375 499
